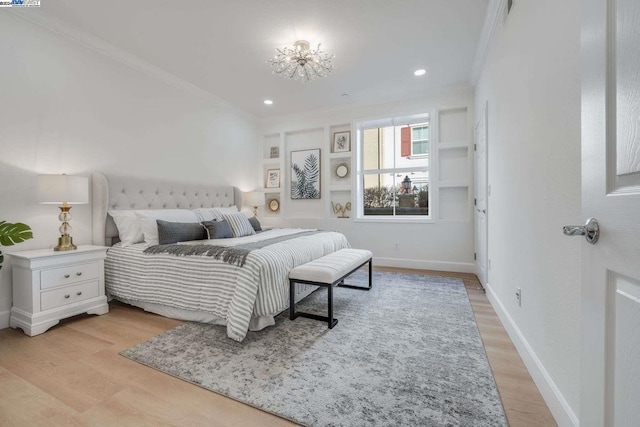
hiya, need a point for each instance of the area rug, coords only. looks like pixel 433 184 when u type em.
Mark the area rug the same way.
pixel 406 353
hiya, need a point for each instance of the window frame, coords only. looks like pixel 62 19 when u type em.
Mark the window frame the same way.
pixel 431 168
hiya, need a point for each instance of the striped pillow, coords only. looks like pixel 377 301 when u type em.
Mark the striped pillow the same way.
pixel 214 214
pixel 240 225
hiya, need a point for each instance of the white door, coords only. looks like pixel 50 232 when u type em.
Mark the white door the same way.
pixel 480 200
pixel 610 317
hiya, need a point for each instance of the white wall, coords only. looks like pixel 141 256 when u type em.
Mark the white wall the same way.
pixel 441 245
pixel 531 81
pixel 68 109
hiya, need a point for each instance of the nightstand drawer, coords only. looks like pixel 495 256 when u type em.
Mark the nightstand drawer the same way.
pixel 69 295
pixel 68 275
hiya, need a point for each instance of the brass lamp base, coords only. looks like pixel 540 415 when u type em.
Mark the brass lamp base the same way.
pixel 65 243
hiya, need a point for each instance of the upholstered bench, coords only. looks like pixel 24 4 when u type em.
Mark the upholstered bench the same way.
pixel 328 271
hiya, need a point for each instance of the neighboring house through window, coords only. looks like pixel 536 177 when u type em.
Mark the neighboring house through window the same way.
pixel 393 180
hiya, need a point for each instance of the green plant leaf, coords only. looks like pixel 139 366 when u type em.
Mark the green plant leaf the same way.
pixel 10 234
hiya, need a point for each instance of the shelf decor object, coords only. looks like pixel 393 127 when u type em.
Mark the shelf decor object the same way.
pixel 305 174
pixel 342 170
pixel 273 178
pixel 301 63
pixel 64 190
pixel 273 205
pixel 340 210
pixel 254 199
pixel 342 142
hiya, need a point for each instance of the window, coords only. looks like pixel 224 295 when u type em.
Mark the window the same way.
pixel 393 180
pixel 420 140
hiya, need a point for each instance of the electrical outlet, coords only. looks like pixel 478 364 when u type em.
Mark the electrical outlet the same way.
pixel 519 296
pixel 397 246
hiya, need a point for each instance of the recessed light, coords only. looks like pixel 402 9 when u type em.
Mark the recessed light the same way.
pixel 345 95
pixel 268 102
pixel 420 72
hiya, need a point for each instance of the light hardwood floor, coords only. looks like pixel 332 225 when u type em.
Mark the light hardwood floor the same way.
pixel 72 375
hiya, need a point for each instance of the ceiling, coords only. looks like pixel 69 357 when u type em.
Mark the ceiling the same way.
pixel 221 46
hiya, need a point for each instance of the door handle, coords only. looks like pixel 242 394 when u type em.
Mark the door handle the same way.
pixel 590 231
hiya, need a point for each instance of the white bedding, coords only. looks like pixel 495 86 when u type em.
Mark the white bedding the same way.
pixel 201 283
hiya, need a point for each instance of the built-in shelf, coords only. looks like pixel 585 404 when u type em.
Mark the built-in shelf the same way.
pixel 275 161
pixel 334 189
pixel 346 155
pixel 304 217
pixel 453 184
pixel 452 145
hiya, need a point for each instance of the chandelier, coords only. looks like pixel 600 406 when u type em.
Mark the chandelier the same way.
pixel 301 63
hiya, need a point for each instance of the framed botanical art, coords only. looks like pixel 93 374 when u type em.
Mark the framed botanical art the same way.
pixel 274 152
pixel 342 142
pixel 305 174
pixel 273 178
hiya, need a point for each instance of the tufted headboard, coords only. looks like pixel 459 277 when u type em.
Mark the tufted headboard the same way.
pixel 115 192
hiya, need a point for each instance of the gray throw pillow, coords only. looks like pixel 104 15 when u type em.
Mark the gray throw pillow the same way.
pixel 255 223
pixel 174 232
pixel 218 229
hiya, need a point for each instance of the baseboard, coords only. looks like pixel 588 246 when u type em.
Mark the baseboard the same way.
pixel 4 319
pixel 554 399
pixel 458 267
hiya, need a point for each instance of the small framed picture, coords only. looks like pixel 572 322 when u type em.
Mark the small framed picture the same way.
pixel 274 153
pixel 342 142
pixel 273 178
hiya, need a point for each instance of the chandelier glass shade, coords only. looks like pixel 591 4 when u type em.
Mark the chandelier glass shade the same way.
pixel 301 63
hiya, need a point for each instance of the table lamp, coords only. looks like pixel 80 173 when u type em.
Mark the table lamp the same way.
pixel 254 199
pixel 64 190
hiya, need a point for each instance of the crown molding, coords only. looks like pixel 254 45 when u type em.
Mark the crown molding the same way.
pixel 491 20
pixel 463 88
pixel 120 55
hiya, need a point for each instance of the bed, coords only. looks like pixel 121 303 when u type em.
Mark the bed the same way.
pixel 242 296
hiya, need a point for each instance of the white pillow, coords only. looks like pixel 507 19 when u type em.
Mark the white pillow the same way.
pixel 147 220
pixel 214 214
pixel 240 225
pixel 128 227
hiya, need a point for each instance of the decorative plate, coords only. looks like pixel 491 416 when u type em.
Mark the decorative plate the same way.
pixel 274 205
pixel 342 170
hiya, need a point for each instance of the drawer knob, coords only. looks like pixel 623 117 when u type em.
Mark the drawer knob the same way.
pixel 66 296
pixel 66 276
pixel 79 273
pixel 79 293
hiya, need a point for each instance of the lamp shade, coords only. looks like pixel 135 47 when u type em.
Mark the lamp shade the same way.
pixel 58 189
pixel 254 198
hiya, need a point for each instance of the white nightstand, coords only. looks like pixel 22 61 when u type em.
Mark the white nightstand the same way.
pixel 49 286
